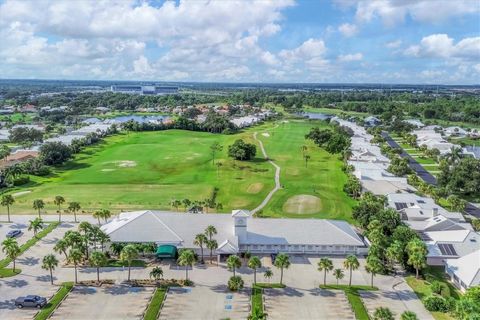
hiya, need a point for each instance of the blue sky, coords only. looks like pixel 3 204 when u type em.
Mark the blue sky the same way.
pixel 388 41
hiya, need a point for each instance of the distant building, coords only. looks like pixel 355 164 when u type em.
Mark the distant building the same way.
pixel 372 121
pixel 415 122
pixel 144 90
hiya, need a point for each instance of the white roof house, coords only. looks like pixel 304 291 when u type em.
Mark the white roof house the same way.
pixel 93 128
pixel 415 122
pixel 455 131
pixel 237 232
pixel 437 223
pixel 450 244
pixel 416 208
pixel 464 272
pixel 65 139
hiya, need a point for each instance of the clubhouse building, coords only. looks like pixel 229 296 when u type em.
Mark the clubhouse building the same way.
pixel 238 232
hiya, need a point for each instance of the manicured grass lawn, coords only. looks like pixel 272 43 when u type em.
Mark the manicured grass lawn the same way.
pixel 354 298
pixel 155 304
pixel 257 293
pixel 467 141
pixel 422 287
pixel 4 271
pixel 425 161
pixel 119 263
pixel 147 170
pixel 48 309
pixel 321 181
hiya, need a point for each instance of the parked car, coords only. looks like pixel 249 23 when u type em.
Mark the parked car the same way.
pixel 273 256
pixel 30 301
pixel 13 233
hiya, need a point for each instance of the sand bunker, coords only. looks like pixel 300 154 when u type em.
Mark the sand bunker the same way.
pixel 266 134
pixel 302 203
pixel 108 170
pixel 255 187
pixel 17 194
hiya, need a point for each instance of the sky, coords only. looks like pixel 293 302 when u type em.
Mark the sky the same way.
pixel 321 41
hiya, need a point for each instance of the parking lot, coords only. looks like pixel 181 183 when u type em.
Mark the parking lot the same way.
pixel 291 303
pixel 205 302
pixel 21 239
pixel 115 302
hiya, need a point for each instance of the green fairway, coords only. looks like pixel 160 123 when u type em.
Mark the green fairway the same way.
pixel 146 170
pixel 315 191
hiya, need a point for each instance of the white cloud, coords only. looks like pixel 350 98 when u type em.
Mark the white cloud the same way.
pixel 348 30
pixel 350 57
pixel 442 46
pixel 393 44
pixel 311 48
pixel 393 12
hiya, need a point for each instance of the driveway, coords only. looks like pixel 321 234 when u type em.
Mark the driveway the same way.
pixel 292 303
pixel 114 302
pixel 205 303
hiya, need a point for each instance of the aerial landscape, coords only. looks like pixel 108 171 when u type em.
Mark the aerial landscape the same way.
pixel 240 159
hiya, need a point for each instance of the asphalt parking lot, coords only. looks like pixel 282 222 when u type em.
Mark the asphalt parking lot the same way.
pixel 24 237
pixel 205 303
pixel 291 303
pixel 114 302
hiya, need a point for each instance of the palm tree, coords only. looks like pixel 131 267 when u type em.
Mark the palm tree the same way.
pixel 233 262
pixel 351 263
pixel 128 254
pixel 408 315
pixel 102 237
pixel 200 240
pixel 7 201
pixel 268 274
pixel 325 265
pixel 254 263
pixel 98 260
pixel 306 157
pixel 58 201
pixel 98 214
pixel 186 259
pixel 74 207
pixel 35 225
pixel 186 203
pixel 75 256
pixel 156 273
pixel 210 231
pixel 11 249
pixel 49 262
pixel 106 214
pixel 85 227
pixel 304 149
pixel 212 245
pixel 61 247
pixel 374 266
pixel 38 204
pixel 417 255
pixel 338 274
pixel 283 262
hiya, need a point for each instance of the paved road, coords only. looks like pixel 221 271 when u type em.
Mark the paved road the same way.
pixel 277 177
pixel 425 175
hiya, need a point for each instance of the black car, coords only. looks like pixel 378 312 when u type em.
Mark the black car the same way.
pixel 14 233
pixel 30 301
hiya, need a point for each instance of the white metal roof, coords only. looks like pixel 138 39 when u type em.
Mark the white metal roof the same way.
pixel 467 268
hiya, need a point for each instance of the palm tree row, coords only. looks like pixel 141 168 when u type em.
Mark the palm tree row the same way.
pixel 8 200
pixel 204 204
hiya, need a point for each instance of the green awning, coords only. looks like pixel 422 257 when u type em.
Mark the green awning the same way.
pixel 166 251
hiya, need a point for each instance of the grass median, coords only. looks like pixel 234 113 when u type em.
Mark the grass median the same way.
pixel 54 302
pixel 153 309
pixel 353 296
pixel 7 272
pixel 257 294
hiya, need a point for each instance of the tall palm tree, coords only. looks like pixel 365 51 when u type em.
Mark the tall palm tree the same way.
pixel 85 227
pixel 268 274
pixel 75 256
pixel 106 214
pixel 417 255
pixel 200 240
pixel 98 260
pixel 98 214
pixel 186 259
pixel 11 249
pixel 61 247
pixel 186 203
pixel 212 245
pixel 306 158
pixel 58 201
pixel 254 263
pixel 156 273
pixel 35 225
pixel 351 263
pixel 103 238
pixel 38 204
pixel 128 254
pixel 233 262
pixel 338 274
pixel 374 266
pixel 50 262
pixel 325 265
pixel 210 231
pixel 74 207
pixel 7 201
pixel 282 261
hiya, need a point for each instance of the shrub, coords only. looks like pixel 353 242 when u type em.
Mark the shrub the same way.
pixel 21 181
pixel 235 283
pixel 436 287
pixel 435 303
pixel 409 315
pixel 383 314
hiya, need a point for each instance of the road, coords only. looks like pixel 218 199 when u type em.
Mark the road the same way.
pixel 277 177
pixel 424 174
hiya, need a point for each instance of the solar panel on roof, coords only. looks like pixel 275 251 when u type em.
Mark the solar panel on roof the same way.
pixel 447 249
pixel 400 205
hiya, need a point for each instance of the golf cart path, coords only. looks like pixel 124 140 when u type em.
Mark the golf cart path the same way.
pixel 277 177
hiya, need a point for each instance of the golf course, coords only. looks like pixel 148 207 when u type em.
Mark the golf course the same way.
pixel 147 170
